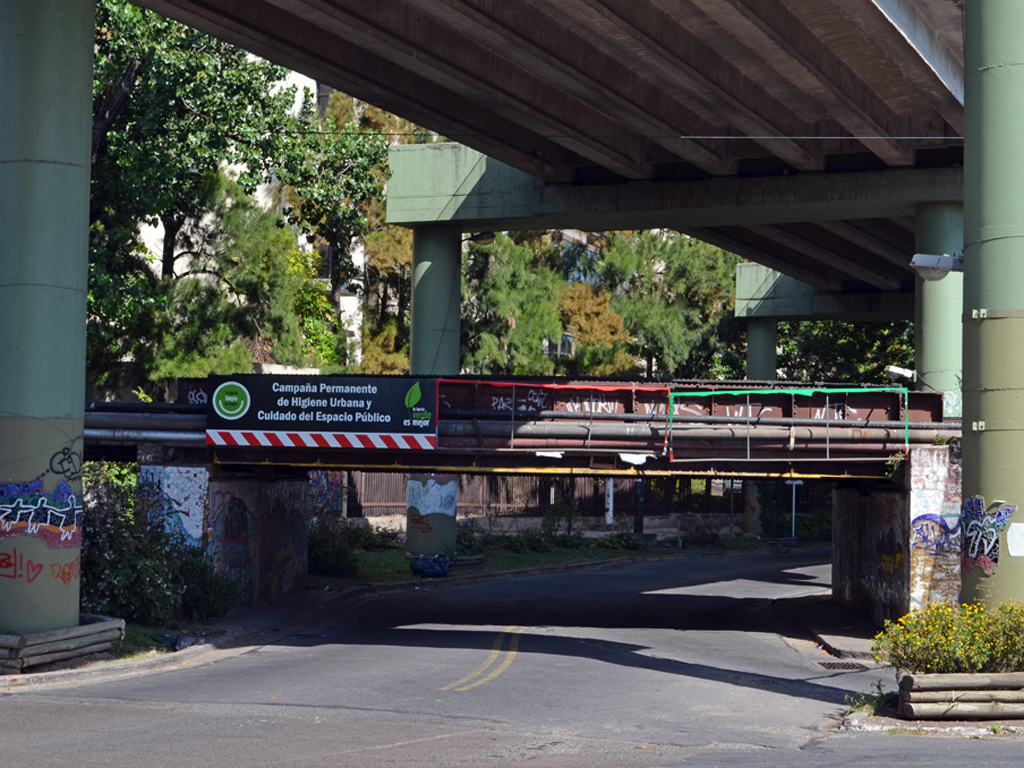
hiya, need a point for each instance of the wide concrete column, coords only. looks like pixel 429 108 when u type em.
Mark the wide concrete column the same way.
pixel 993 444
pixel 46 58
pixel 761 342
pixel 436 299
pixel 938 307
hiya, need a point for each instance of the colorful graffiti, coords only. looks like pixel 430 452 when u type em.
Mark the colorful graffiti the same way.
pixel 184 489
pixel 328 490
pixel 55 518
pixel 981 533
pixel 229 545
pixel 933 535
pixel 14 565
pixel 259 535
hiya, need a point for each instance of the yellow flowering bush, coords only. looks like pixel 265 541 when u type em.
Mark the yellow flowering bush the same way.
pixel 955 638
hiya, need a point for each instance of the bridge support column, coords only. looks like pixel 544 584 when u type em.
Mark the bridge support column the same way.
pixel 761 341
pixel 938 307
pixel 434 350
pixel 434 344
pixel 46 58
pixel 993 435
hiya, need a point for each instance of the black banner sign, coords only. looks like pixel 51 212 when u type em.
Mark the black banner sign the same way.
pixel 322 411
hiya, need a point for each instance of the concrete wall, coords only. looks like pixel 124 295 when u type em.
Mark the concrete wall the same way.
pixel 258 532
pixel 897 549
pixel 870 568
pixel 935 529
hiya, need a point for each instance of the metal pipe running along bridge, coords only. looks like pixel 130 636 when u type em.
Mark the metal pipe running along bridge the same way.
pixel 543 426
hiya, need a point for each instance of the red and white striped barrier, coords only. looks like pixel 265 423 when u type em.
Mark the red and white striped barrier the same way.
pixel 277 439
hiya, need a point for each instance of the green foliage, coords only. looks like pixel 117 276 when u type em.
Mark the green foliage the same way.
pixel 333 174
pixel 835 351
pixel 468 537
pixel 876 703
pixel 896 468
pixel 675 295
pixel 236 301
pixel 622 537
pixel 133 566
pixel 950 638
pixel 335 543
pixel 331 547
pixel 510 307
pixel 206 594
pixel 173 109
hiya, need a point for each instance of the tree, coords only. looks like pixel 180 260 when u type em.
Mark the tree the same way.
pixel 509 310
pixel 674 293
pixel 173 110
pixel 234 304
pixel 836 351
pixel 387 297
pixel 599 344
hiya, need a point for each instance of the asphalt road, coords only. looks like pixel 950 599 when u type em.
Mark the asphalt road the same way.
pixel 681 662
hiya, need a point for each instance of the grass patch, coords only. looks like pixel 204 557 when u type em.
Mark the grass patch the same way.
pixel 878 702
pixel 147 642
pixel 391 565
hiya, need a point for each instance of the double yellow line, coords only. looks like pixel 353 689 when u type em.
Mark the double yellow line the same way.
pixel 465 683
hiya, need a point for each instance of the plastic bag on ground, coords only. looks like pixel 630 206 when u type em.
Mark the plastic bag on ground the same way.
pixel 432 567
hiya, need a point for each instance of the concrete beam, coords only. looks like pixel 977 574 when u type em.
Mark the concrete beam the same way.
pixel 451 183
pixel 762 292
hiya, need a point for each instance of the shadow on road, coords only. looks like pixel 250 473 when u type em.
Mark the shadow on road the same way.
pixel 667 595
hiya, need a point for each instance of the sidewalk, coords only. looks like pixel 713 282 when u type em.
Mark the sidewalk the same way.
pixel 838 630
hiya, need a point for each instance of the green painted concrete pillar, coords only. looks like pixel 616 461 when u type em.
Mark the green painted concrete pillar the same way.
pixel 938 307
pixel 761 341
pixel 434 343
pixel 46 58
pixel 993 443
pixel 434 348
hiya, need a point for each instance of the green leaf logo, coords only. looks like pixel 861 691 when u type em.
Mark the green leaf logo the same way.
pixel 413 396
pixel 231 400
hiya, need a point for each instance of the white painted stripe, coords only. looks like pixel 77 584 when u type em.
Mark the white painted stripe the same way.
pixel 306 440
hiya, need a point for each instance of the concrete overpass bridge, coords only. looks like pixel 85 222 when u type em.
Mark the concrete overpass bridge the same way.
pixel 823 140
pixel 829 141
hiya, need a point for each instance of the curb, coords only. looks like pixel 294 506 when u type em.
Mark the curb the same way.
pixel 170 660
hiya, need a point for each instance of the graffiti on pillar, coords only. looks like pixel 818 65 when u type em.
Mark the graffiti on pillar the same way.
pixel 181 494
pixel 981 533
pixel 933 535
pixel 282 544
pixel 328 489
pixel 264 548
pixel 233 529
pixel 55 518
pixel 67 464
pixel 15 566
pixel 952 405
pixel 890 555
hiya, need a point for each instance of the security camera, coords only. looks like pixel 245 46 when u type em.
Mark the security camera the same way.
pixel 932 266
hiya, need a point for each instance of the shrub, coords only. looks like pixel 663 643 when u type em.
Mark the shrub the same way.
pixel 332 542
pixel 374 537
pixel 620 540
pixel 950 638
pixel 467 537
pixel 133 566
pixel 206 594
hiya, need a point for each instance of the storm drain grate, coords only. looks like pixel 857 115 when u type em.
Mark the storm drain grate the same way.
pixel 842 666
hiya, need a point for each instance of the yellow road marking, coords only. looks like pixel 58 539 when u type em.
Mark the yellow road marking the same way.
pixel 513 649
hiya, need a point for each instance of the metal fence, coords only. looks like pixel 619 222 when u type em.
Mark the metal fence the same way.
pixel 378 494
